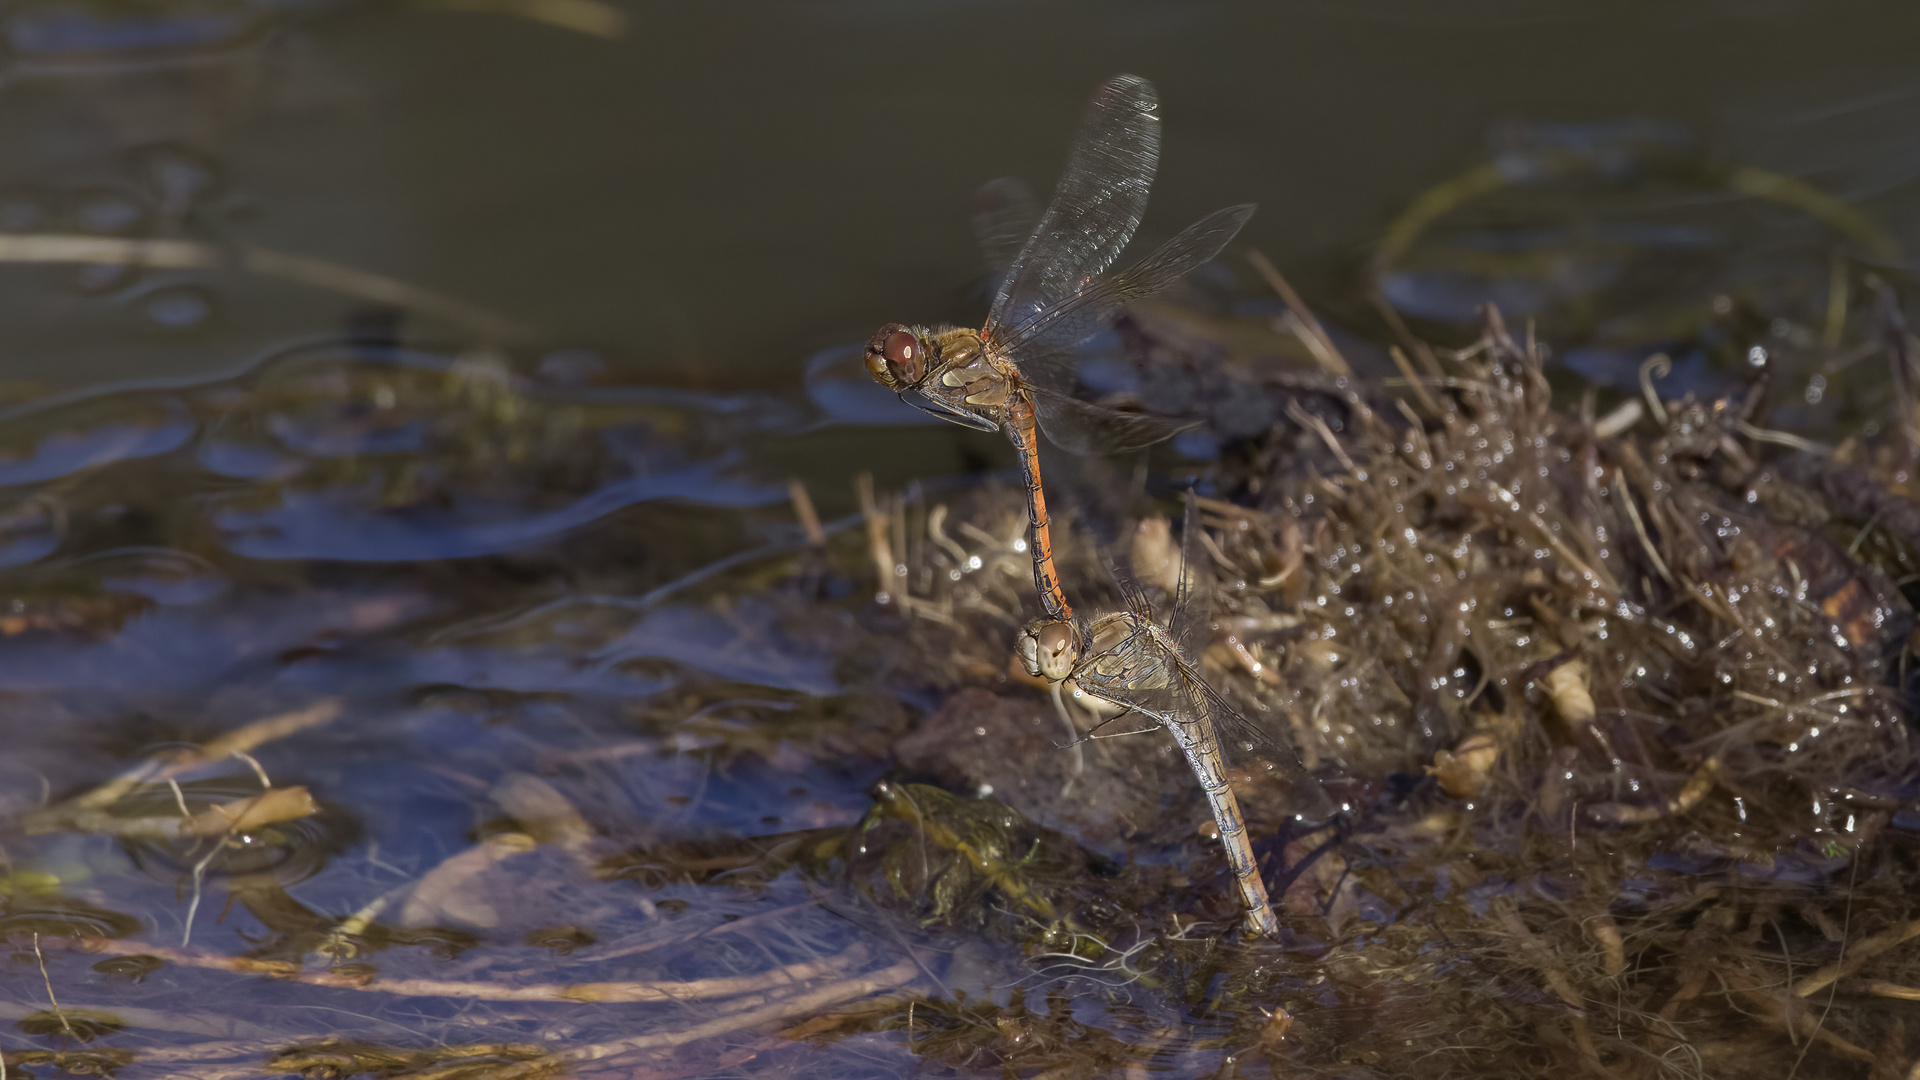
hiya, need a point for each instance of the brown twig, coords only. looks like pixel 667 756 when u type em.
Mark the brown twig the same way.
pixel 267 808
pixel 48 979
pixel 878 544
pixel 767 984
pixel 1418 384
pixel 1859 953
pixel 241 740
pixel 803 509
pixel 892 978
pixel 1883 988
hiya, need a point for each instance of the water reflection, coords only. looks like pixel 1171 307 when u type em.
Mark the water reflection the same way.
pixel 69 448
pixel 371 456
pixel 51 38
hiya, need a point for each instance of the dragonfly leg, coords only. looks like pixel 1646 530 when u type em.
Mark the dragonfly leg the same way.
pixel 1095 733
pixel 1075 739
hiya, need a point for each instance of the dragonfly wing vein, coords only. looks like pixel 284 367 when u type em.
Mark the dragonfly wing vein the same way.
pixel 1236 732
pixel 1088 311
pixel 1095 208
pixel 1193 604
pixel 1084 428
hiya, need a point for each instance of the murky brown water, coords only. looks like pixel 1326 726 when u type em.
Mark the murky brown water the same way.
pixel 446 436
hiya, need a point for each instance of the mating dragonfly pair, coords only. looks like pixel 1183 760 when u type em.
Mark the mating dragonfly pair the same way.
pixel 1017 374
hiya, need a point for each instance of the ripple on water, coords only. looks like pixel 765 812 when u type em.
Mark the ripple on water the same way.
pixel 64 917
pixel 424 458
pixel 31 530
pixel 133 968
pixel 714 642
pixel 283 535
pixel 349 524
pixel 288 851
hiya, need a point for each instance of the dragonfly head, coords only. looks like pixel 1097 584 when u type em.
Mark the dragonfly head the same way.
pixel 1049 649
pixel 897 356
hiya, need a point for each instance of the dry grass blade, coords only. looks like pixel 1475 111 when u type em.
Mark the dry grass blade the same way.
pixel 1793 1017
pixel 1858 953
pixel 1620 420
pixel 48 979
pixel 1414 381
pixel 242 815
pixel 803 510
pixel 813 1001
pixel 774 983
pixel 1304 325
pixel 1319 427
pixel 1640 527
pixel 879 545
pixel 242 740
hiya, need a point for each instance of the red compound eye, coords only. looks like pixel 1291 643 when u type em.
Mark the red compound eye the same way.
pixel 900 347
pixel 902 351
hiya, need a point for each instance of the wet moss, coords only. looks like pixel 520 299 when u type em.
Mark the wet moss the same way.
pixel 1618 713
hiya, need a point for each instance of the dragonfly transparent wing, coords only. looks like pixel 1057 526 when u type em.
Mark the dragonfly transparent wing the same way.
pixel 1043 343
pixel 1239 736
pixel 1140 674
pixel 1192 614
pixel 1135 673
pixel 1005 214
pixel 1095 208
pixel 1082 427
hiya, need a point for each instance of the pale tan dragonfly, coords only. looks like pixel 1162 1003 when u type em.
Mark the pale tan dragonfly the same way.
pixel 1150 666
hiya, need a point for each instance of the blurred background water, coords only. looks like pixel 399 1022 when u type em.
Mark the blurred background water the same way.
pixel 704 194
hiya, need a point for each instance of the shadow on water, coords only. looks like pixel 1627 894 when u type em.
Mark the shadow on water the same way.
pixel 380 706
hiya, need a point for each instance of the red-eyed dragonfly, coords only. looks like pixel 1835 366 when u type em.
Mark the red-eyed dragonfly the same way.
pixel 1020 366
pixel 1150 666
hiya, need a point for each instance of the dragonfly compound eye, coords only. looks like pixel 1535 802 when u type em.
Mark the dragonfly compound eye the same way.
pixel 1029 648
pixel 895 357
pixel 1048 650
pixel 904 357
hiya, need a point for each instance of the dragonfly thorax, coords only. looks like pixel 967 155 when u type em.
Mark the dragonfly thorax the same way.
pixel 1126 649
pixel 1108 631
